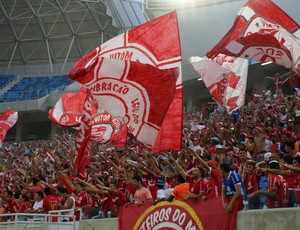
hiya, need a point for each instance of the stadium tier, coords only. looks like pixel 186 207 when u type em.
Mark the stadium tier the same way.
pixel 31 88
pixel 6 79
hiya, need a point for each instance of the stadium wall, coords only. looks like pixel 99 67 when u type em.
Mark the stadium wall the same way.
pixel 268 219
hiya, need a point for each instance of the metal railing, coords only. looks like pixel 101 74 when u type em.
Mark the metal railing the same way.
pixel 40 221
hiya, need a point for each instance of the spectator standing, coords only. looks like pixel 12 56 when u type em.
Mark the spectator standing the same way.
pixel 50 203
pixel 277 192
pixel 141 194
pixel 233 189
pixel 181 190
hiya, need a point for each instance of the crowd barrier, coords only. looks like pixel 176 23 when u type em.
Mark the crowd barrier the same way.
pixel 24 221
pixel 267 219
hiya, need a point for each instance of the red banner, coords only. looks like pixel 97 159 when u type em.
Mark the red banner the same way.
pixel 262 32
pixel 7 120
pixel 82 158
pixel 155 43
pixel 196 215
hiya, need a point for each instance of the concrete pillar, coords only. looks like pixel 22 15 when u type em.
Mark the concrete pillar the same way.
pixel 19 131
pixel 54 129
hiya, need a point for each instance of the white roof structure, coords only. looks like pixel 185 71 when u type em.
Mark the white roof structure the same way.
pixel 56 33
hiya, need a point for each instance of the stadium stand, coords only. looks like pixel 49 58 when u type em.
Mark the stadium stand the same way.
pixel 31 88
pixel 5 80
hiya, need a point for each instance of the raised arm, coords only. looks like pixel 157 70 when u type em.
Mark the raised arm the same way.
pixel 199 159
pixel 178 167
pixel 69 182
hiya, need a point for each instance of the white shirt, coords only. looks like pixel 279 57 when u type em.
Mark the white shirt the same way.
pixel 69 212
pixel 37 205
pixel 164 193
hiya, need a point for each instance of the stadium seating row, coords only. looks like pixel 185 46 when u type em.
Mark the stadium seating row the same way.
pixel 32 88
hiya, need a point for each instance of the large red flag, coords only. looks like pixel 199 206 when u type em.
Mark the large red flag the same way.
pixel 155 43
pixel 7 120
pixel 139 93
pixel 225 77
pixel 262 32
pixel 82 158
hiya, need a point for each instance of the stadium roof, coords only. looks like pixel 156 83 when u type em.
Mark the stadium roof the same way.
pixel 59 32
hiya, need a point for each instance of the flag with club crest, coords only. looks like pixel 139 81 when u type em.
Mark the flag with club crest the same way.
pixel 262 32
pixel 152 108
pixel 225 77
pixel 7 120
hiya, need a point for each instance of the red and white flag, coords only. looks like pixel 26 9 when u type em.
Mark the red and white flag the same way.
pixel 7 120
pixel 82 156
pixel 157 44
pixel 107 129
pixel 225 77
pixel 67 111
pixel 139 93
pixel 262 32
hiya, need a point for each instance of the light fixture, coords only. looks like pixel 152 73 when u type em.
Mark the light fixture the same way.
pixel 200 79
pixel 266 63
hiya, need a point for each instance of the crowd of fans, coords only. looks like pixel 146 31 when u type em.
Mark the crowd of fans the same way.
pixel 250 157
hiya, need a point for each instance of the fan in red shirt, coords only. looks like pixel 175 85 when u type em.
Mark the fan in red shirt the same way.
pixel 277 191
pixel 105 202
pixel 296 172
pixel 289 176
pixel 251 183
pixel 11 202
pixel 34 188
pixel 197 184
pixel 117 198
pixel 83 200
pixel 25 205
pixel 214 183
pixel 50 203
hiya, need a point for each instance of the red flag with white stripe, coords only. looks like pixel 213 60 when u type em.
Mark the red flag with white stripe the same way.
pixel 7 120
pixel 262 32
pixel 225 77
pixel 82 156
pixel 155 43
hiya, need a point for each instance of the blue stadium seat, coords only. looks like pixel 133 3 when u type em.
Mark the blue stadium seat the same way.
pixel 6 79
pixel 30 88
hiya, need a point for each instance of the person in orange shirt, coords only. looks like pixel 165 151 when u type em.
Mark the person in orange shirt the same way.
pixel 180 191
